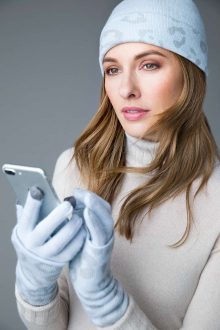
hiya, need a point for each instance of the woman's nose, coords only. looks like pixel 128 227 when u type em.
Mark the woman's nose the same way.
pixel 129 87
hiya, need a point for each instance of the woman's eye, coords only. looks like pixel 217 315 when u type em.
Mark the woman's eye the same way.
pixel 111 71
pixel 150 66
pixel 114 71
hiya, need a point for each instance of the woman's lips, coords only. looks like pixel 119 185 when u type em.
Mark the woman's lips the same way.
pixel 134 113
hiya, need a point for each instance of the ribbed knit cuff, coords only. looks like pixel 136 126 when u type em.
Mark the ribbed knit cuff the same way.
pixel 40 315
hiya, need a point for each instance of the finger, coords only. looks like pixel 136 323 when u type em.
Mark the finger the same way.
pixel 100 235
pixel 48 225
pixel 73 247
pixel 94 202
pixel 71 200
pixel 19 210
pixel 31 208
pixel 58 242
pixel 101 224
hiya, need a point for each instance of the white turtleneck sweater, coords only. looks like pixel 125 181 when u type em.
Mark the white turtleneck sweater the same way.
pixel 169 289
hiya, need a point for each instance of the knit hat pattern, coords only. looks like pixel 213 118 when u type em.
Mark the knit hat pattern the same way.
pixel 175 25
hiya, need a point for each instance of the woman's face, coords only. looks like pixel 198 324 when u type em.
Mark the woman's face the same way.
pixel 140 75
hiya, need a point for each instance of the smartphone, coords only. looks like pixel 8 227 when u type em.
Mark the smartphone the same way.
pixel 22 178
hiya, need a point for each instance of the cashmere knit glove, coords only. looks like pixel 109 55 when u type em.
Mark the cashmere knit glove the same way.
pixel 44 247
pixel 101 295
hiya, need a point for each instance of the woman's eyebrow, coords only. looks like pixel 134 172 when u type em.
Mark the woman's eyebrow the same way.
pixel 137 57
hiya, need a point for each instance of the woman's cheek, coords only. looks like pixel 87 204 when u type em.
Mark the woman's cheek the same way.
pixel 111 89
pixel 164 93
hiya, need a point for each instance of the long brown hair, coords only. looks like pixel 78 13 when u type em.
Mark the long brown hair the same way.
pixel 187 151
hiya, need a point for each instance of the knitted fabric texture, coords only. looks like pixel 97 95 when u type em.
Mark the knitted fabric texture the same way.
pixel 175 25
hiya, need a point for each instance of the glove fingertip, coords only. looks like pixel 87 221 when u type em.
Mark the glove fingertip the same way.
pixel 71 200
pixel 36 193
pixel 18 202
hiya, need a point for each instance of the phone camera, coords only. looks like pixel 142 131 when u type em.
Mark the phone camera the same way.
pixel 10 172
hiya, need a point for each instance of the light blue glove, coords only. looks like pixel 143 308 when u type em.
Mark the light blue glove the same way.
pixel 44 247
pixel 101 295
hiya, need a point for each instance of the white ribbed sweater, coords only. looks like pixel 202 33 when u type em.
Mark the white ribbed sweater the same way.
pixel 170 289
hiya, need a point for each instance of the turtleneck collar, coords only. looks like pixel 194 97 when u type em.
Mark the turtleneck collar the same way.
pixel 139 152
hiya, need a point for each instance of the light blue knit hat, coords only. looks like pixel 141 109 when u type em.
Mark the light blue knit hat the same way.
pixel 175 25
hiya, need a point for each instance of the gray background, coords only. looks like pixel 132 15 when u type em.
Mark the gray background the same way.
pixel 49 89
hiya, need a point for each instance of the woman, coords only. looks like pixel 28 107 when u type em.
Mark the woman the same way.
pixel 145 176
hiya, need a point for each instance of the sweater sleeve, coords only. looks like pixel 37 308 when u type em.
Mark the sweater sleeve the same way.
pixel 53 316
pixel 203 310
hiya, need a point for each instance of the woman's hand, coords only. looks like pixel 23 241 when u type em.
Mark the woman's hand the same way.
pixel 44 247
pixel 100 294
